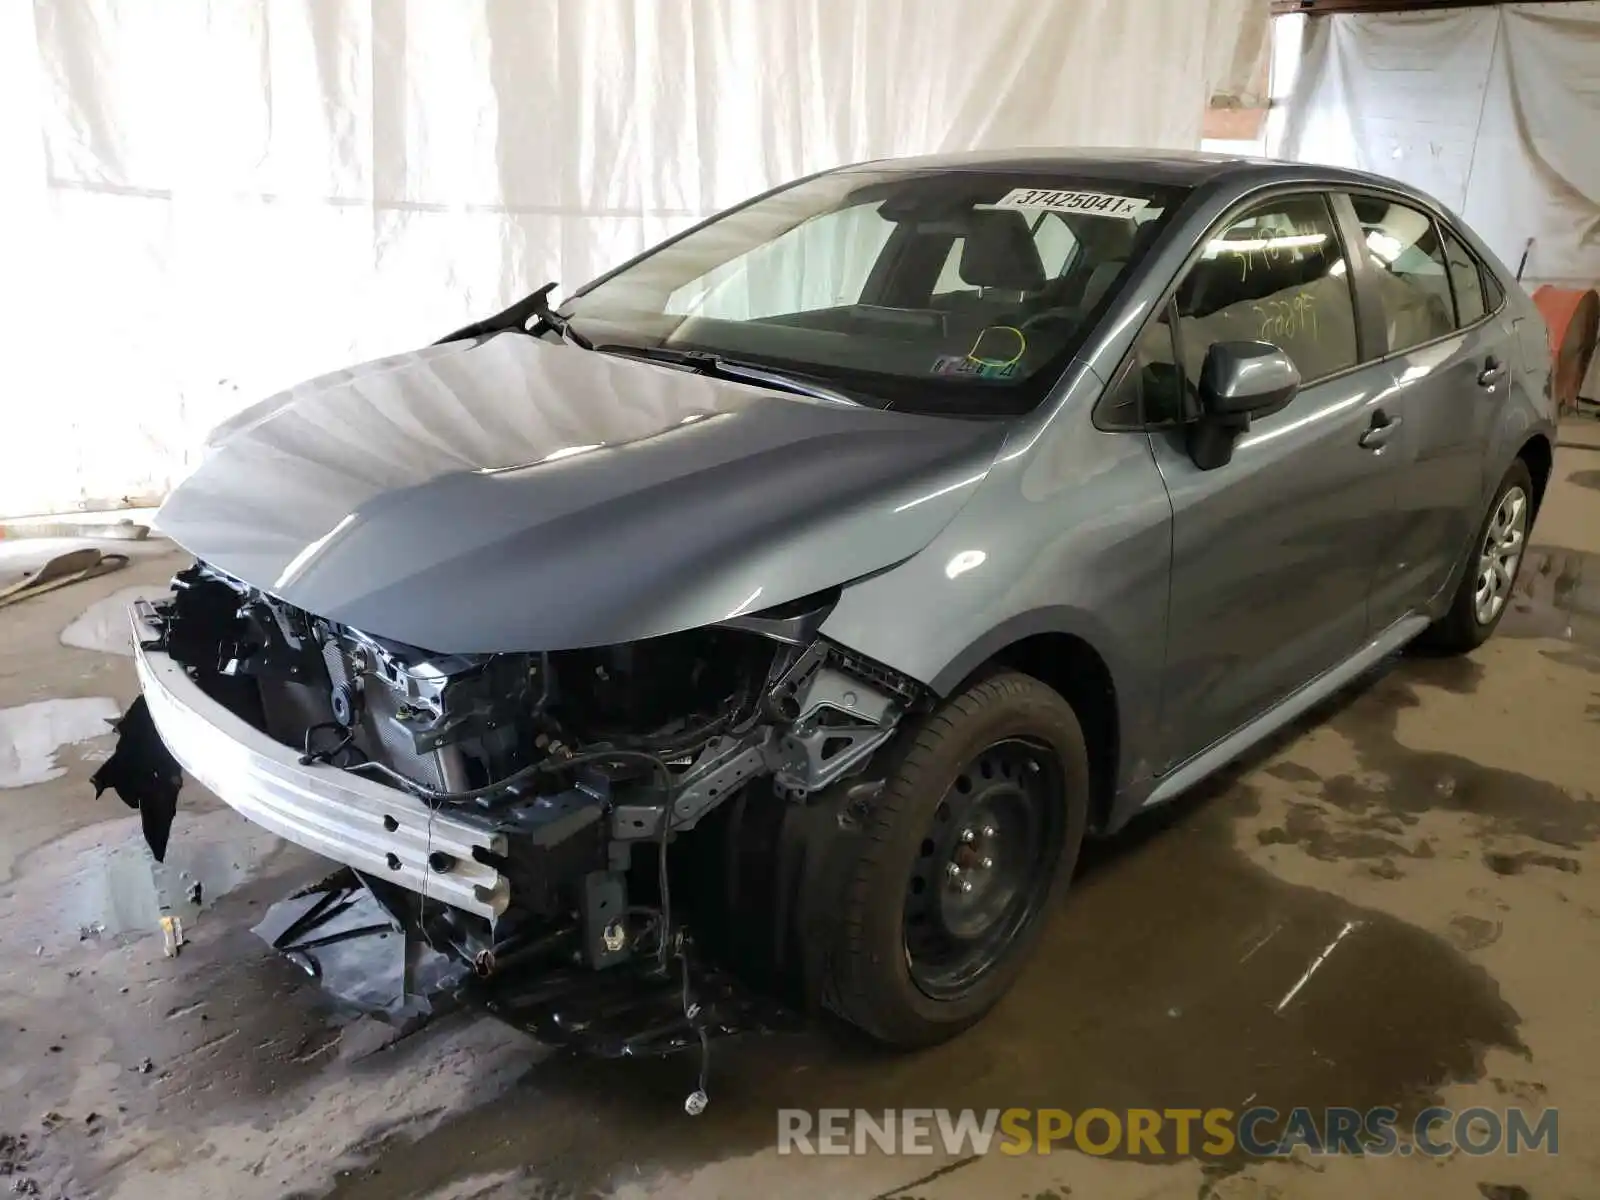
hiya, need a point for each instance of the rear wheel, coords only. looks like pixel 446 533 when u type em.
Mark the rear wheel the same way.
pixel 960 860
pixel 1491 571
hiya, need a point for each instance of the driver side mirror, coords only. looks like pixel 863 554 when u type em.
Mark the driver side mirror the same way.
pixel 1247 379
pixel 1238 381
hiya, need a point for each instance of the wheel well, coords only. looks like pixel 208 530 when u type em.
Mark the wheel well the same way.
pixel 1536 452
pixel 1074 669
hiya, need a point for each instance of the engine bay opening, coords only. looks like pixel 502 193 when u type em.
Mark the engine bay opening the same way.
pixel 608 804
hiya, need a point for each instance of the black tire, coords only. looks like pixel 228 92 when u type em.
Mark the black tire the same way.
pixel 1460 630
pixel 869 979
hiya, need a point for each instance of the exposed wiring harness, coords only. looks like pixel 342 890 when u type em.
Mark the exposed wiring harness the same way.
pixel 546 766
pixel 735 716
pixel 668 940
pixel 308 756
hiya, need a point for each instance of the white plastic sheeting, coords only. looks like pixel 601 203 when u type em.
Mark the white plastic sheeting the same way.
pixel 205 201
pixel 1494 111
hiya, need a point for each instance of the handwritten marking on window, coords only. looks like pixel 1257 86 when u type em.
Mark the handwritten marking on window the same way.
pixel 1293 317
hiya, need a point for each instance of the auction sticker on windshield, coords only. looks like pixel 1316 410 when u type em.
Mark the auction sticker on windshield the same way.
pixel 1096 204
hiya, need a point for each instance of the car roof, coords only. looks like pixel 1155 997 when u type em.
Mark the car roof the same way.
pixel 1185 168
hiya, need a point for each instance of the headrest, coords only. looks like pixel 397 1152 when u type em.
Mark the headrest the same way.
pixel 999 251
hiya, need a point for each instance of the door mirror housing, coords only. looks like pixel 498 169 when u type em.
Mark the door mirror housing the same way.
pixel 1247 379
pixel 1238 381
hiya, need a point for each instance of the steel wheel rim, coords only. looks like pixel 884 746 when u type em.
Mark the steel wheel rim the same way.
pixel 1500 555
pixel 984 866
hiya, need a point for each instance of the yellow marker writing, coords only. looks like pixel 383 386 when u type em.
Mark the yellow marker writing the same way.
pixel 1022 347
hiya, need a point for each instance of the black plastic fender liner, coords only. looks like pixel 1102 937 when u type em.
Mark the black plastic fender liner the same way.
pixel 360 940
pixel 142 771
pixel 350 934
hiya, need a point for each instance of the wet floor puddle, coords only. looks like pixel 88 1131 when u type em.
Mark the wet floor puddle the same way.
pixel 1557 595
pixel 32 736
pixel 1378 808
pixel 1181 976
pixel 103 881
pixel 171 1041
pixel 1373 813
pixel 105 625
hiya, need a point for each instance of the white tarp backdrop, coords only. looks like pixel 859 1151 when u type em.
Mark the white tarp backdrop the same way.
pixel 207 200
pixel 1494 111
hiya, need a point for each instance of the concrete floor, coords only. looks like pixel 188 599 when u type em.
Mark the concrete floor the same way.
pixel 1442 809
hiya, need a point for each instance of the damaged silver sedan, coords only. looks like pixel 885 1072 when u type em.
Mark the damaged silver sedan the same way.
pixel 762 630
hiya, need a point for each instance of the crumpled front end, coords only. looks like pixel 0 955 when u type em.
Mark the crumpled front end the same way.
pixel 511 811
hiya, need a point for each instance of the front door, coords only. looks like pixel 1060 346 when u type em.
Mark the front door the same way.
pixel 1450 370
pixel 1273 553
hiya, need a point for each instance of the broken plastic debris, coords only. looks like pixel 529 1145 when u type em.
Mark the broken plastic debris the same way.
pixel 142 771
pixel 172 935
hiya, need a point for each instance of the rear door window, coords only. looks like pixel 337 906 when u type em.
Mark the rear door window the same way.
pixel 1402 243
pixel 1466 280
pixel 1275 274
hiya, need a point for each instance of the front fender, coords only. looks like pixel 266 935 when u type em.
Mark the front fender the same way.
pixel 1071 622
pixel 1070 533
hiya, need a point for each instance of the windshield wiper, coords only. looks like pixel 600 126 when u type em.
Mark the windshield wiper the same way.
pixel 704 362
pixel 516 319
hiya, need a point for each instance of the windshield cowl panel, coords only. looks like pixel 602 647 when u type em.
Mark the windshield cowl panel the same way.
pixel 957 292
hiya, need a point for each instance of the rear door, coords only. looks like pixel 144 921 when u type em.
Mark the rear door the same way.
pixel 1450 358
pixel 1272 555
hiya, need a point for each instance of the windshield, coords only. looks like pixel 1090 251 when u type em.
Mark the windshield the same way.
pixel 941 291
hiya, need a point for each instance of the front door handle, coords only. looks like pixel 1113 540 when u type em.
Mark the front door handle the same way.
pixel 1383 427
pixel 1493 372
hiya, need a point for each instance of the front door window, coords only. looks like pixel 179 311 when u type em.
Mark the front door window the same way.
pixel 1276 274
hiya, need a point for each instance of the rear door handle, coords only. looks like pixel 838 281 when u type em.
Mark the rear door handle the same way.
pixel 1380 431
pixel 1493 372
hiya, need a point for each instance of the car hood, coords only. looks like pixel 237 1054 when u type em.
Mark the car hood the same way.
pixel 515 494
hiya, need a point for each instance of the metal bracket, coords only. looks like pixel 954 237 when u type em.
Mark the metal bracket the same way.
pixel 831 723
pixel 605 903
pixel 636 822
pixel 820 748
pixel 809 760
pixel 725 764
pixel 833 689
pixel 782 696
pixel 717 773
